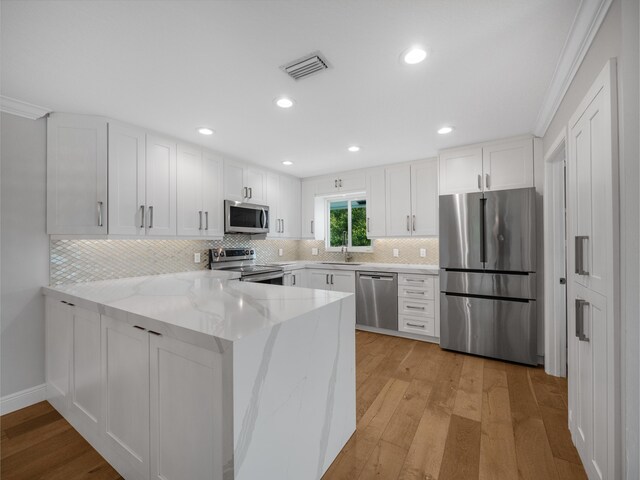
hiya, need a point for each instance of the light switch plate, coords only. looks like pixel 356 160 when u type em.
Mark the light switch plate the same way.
pixel 196 257
pixel 396 252
pixel 423 252
pixel 314 251
pixel 280 252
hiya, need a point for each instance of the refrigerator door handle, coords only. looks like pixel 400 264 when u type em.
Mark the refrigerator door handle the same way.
pixel 579 251
pixel 483 247
pixel 479 182
pixel 580 304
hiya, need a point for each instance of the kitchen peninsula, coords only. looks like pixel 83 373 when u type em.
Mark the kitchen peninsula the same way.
pixel 198 375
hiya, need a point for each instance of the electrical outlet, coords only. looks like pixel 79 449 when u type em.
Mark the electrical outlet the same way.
pixel 396 252
pixel 280 252
pixel 423 252
pixel 314 251
pixel 196 257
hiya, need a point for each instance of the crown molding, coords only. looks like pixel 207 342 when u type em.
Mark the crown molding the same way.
pixel 22 109
pixel 585 25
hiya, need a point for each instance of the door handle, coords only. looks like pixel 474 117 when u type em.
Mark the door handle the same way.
pixel 150 216
pixel 368 229
pixel 250 192
pixel 408 226
pixel 282 230
pixel 486 181
pixel 332 279
pixel 580 305
pixel 206 220
pixel 263 218
pixel 293 278
pixel 200 215
pixel 246 193
pixel 335 183
pixel 100 214
pixel 414 223
pixel 312 232
pixel 340 183
pixel 579 252
pixel 327 279
pixel 141 216
pixel 479 182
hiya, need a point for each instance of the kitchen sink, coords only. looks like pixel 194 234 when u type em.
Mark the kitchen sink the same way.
pixel 340 263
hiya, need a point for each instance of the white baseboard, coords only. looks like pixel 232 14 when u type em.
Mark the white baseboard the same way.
pixel 22 399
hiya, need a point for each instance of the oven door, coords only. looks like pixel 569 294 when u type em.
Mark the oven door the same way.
pixel 271 278
pixel 242 217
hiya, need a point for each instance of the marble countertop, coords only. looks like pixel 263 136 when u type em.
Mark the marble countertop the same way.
pixel 195 306
pixel 363 266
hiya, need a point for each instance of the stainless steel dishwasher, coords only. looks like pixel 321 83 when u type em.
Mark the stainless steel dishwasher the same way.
pixel 377 300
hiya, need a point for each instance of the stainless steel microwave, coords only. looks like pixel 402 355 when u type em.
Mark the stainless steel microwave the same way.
pixel 240 217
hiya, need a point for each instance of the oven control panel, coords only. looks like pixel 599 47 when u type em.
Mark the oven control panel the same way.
pixel 231 254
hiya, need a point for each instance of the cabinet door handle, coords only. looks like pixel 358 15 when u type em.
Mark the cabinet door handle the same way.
pixel 579 252
pixel 368 228
pixel 408 223
pixel 340 183
pixel 139 327
pixel 580 305
pixel 293 278
pixel 100 214
pixel 141 216
pixel 206 220
pixel 282 225
pixel 335 183
pixel 479 182
pixel 150 216
pixel 250 192
pixel 413 223
pixel 414 325
pixel 327 279
pixel 332 279
pixel 200 215
pixel 155 333
pixel 486 181
pixel 246 193
pixel 312 232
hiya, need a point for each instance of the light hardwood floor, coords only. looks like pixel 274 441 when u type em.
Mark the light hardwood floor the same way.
pixel 422 413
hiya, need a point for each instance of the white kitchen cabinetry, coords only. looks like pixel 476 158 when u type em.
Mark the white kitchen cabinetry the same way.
pixel 501 165
pixel 334 280
pixel 161 186
pixel 243 183
pixel 76 174
pixel 350 182
pixel 199 193
pixel 411 199
pixel 295 278
pixel 58 318
pixel 376 199
pixel 283 198
pixel 307 209
pixel 418 304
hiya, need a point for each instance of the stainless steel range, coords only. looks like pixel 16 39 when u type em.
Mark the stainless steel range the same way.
pixel 243 260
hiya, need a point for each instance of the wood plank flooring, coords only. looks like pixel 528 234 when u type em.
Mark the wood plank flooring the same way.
pixel 422 413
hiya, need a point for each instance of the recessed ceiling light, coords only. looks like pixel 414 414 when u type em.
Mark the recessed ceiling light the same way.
pixel 287 162
pixel 354 148
pixel 205 131
pixel 284 102
pixel 445 130
pixel 414 55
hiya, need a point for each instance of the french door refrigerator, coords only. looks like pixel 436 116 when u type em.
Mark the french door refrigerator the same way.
pixel 488 274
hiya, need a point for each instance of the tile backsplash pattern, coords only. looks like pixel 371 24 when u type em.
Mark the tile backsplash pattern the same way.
pixel 74 261
pixel 409 251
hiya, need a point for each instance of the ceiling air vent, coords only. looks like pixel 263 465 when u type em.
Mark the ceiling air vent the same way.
pixel 305 66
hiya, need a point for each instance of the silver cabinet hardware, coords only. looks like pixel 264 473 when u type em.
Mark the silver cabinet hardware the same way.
pixel 414 223
pixel 580 306
pixel 335 183
pixel 150 216
pixel 579 252
pixel 368 229
pixel 327 279
pixel 282 230
pixel 200 216
pixel 479 182
pixel 413 280
pixel 340 183
pixel 414 325
pixel 563 281
pixel 141 216
pixel 293 278
pixel 413 292
pixel 139 327
pixel 486 181
pixel 408 223
pixel 250 192
pixel 68 303
pixel 99 214
pixel 332 279
pixel 155 333
pixel 206 220
pixel 411 307
pixel 312 232
pixel 246 193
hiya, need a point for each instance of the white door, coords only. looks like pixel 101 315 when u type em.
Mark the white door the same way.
pixel 424 197
pixel 125 394
pixel 256 182
pixel 319 279
pixel 398 201
pixel 307 206
pixel 343 281
pixel 592 227
pixel 212 201
pixel 84 406
pixel 234 188
pixel 289 206
pixel 508 165
pixel 376 199
pixel 76 174
pixel 190 213
pixel 187 421
pixel 126 180
pixel 58 318
pixel 273 197
pixel 161 186
pixel 461 171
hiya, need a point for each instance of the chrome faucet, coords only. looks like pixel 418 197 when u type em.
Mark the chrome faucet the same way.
pixel 345 249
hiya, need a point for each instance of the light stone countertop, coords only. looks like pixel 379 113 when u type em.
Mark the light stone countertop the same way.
pixel 195 306
pixel 362 266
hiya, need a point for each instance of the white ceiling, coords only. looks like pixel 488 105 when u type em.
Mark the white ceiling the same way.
pixel 175 65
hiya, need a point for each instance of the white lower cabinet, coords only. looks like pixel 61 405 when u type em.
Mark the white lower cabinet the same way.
pixel 295 278
pixel 334 280
pixel 418 304
pixel 58 352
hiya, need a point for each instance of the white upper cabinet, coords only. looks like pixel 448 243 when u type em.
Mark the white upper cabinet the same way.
pixel 161 186
pixel 243 183
pixel 424 197
pixel 76 174
pixel 499 165
pixel 461 171
pixel 398 201
pixel 199 193
pixel 307 206
pixel 376 211
pixel 283 199
pixel 508 165
pixel 342 183
pixel 127 158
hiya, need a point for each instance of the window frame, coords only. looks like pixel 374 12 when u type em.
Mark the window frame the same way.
pixel 327 209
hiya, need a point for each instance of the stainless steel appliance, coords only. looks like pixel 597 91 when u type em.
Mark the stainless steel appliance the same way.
pixel 487 274
pixel 243 260
pixel 377 300
pixel 240 217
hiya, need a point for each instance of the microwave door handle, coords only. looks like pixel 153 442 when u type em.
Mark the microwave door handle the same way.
pixel 263 218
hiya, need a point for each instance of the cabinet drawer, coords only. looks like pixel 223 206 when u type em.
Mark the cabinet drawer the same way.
pixel 422 308
pixel 417 292
pixel 421 326
pixel 416 280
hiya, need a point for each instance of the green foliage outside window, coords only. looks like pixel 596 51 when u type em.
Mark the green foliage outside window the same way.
pixel 339 223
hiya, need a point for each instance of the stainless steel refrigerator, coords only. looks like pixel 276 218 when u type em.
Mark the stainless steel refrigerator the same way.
pixel 488 274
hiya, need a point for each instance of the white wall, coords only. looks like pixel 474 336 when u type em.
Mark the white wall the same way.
pixel 24 252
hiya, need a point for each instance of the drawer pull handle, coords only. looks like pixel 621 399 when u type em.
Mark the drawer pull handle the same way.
pixel 411 307
pixel 414 280
pixel 414 325
pixel 413 292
